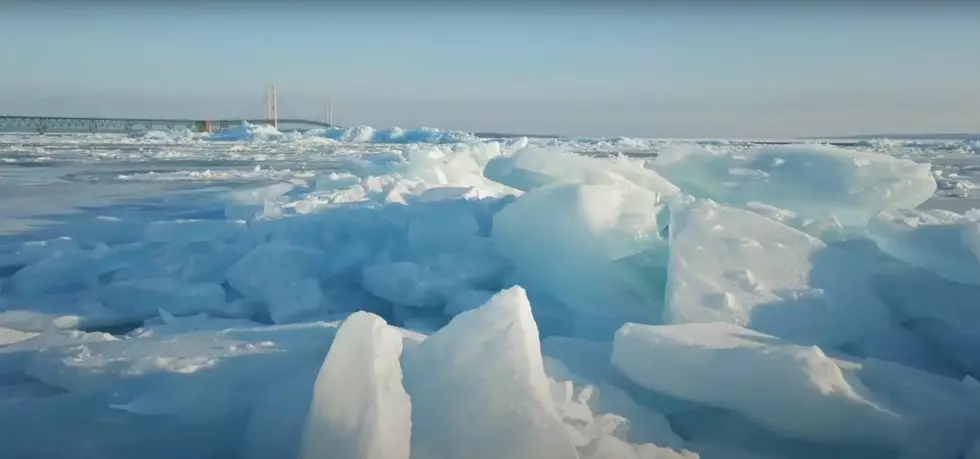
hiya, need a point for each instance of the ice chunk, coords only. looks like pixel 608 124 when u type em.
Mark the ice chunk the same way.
pixel 827 229
pixel 204 373
pixel 588 362
pixel 914 294
pixel 65 271
pixel 436 233
pixel 941 412
pixel 34 251
pixel 953 343
pixel 190 231
pixel 595 248
pixel 735 266
pixel 432 281
pixel 360 409
pixel 284 277
pixel 533 167
pixel 408 283
pixel 585 358
pixel 812 181
pixel 9 336
pixel 762 377
pixel 479 389
pixel 899 345
pixel 138 299
pixel 939 241
pixel 248 204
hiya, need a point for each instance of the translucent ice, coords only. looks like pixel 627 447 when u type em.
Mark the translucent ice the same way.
pixel 812 181
pixel 760 376
pixel 479 389
pixel 69 270
pixel 33 251
pixel 595 248
pixel 533 167
pixel 360 409
pixel 943 242
pixel 138 299
pixel 735 266
pixel 284 277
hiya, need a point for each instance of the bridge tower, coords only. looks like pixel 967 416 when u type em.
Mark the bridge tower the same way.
pixel 272 107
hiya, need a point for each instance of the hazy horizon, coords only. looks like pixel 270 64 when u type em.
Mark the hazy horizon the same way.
pixel 661 70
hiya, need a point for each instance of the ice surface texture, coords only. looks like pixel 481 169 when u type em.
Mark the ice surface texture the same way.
pixel 732 265
pixel 813 181
pixel 362 293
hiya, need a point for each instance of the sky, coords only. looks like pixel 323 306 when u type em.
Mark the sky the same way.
pixel 615 68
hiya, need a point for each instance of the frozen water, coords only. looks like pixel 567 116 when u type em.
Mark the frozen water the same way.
pixel 943 242
pixel 532 167
pixel 732 265
pixel 596 248
pixel 172 294
pixel 284 277
pixel 771 381
pixel 479 389
pixel 813 181
pixel 760 376
pixel 360 409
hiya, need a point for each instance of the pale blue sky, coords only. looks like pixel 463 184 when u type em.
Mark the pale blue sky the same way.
pixel 745 70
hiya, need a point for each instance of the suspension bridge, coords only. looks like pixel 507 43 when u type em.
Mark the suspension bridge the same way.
pixel 46 124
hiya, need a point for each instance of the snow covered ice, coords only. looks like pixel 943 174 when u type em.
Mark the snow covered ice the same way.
pixel 429 294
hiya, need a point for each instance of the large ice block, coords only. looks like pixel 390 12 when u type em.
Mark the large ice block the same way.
pixel 760 376
pixel 814 181
pixel 479 390
pixel 595 248
pixel 360 409
pixel 732 265
pixel 946 243
pixel 532 167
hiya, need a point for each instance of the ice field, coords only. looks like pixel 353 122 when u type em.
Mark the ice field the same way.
pixel 427 294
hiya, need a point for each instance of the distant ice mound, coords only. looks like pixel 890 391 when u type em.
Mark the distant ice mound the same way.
pixel 355 134
pixel 246 131
pixel 172 135
pixel 368 134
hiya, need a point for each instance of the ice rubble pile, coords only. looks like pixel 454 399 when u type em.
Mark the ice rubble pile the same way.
pixel 356 134
pixel 482 300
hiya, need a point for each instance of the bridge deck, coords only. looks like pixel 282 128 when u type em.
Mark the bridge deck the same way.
pixel 42 124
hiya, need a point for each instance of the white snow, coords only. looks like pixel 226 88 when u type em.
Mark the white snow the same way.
pixel 425 294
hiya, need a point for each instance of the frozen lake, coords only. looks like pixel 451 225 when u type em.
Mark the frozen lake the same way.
pixel 264 295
